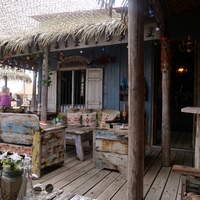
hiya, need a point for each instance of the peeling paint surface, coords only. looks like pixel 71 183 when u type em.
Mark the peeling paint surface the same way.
pixel 21 133
pixel 111 149
pixel 18 128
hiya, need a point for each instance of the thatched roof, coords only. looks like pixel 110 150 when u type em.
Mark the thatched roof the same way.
pixel 14 74
pixel 27 22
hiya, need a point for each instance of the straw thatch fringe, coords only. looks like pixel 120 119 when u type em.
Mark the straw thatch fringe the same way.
pixel 114 28
pixel 14 74
pixel 88 25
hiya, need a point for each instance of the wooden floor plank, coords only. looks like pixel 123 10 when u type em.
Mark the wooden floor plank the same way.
pixel 81 178
pixel 68 172
pixel 151 175
pixel 85 189
pixel 57 175
pixel 99 187
pixel 148 151
pixel 171 188
pixel 110 191
pixel 150 159
pixel 160 180
pixel 121 194
pixel 68 179
pixel 156 190
pixel 81 181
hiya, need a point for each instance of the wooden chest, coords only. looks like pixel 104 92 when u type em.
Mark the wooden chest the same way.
pixel 111 149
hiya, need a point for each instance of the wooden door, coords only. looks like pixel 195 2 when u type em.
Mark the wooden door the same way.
pixel 52 93
pixel 94 81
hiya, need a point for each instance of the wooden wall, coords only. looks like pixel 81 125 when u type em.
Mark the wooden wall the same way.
pixel 114 72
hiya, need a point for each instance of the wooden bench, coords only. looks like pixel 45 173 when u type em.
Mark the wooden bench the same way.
pixel 21 133
pixel 190 182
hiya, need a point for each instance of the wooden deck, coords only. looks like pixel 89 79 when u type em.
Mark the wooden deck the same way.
pixel 80 177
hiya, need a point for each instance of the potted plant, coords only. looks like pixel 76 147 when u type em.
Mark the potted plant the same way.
pixel 13 167
pixel 13 164
pixel 58 120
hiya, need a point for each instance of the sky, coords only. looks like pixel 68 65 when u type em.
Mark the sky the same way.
pixel 118 3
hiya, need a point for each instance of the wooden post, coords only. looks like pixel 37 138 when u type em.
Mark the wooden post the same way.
pixel 135 99
pixel 165 120
pixel 166 125
pixel 6 80
pixel 33 100
pixel 45 73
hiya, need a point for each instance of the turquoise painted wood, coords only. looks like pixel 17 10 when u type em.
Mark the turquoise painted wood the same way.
pixel 21 133
pixel 18 128
pixel 111 149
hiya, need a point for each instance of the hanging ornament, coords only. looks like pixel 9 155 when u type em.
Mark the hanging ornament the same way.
pixel 165 54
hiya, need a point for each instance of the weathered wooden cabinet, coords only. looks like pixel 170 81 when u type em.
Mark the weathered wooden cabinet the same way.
pixel 21 133
pixel 111 149
pixel 190 178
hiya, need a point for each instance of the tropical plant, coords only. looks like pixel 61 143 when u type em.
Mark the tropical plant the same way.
pixel 47 82
pixel 58 119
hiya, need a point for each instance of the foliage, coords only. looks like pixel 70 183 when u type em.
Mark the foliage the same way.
pixel 14 162
pixel 47 82
pixel 60 116
pixel 58 119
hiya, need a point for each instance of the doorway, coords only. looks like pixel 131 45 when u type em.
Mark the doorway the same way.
pixel 181 95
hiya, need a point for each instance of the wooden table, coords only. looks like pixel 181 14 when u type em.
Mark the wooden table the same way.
pixel 80 135
pixel 195 110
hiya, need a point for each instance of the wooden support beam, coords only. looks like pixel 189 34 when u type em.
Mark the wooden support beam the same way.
pixel 166 124
pixel 45 74
pixel 166 134
pixel 33 100
pixel 136 99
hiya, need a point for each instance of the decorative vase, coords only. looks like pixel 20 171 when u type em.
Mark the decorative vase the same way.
pixel 11 182
pixel 27 191
pixel 12 174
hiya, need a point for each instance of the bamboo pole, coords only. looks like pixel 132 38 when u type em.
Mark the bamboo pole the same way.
pixel 45 73
pixel 136 99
